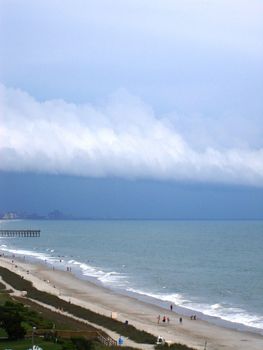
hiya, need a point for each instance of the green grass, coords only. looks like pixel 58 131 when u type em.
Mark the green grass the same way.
pixel 2 333
pixel 30 317
pixel 27 343
pixel 58 320
pixel 126 330
pixel 4 296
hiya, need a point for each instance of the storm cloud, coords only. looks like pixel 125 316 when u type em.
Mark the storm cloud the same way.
pixel 121 137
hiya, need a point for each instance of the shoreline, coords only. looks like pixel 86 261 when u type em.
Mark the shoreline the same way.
pixel 212 294
pixel 139 313
pixel 60 264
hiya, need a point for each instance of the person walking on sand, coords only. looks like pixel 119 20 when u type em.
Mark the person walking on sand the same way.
pixel 164 319
pixel 171 307
pixel 158 319
pixel 181 320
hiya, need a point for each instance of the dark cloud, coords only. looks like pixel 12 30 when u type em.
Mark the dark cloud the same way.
pixel 123 138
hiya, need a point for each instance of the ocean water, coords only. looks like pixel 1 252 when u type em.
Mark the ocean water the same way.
pixel 211 268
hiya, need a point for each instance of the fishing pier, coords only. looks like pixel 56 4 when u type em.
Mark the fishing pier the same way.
pixel 19 233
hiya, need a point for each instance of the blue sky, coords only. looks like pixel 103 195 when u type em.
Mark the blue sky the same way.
pixel 146 92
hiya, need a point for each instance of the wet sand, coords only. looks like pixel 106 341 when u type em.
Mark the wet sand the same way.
pixel 138 313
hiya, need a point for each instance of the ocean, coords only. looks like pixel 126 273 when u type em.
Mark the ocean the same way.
pixel 213 269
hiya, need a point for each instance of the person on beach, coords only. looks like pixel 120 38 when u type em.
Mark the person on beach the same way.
pixel 168 320
pixel 164 319
pixel 181 320
pixel 171 307
pixel 158 319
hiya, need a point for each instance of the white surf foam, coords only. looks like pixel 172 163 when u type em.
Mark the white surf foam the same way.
pixel 115 279
pixel 229 313
pixel 175 298
pixel 222 311
pixel 36 255
pixel 112 278
pixel 106 277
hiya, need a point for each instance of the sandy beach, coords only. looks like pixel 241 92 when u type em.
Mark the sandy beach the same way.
pixel 140 314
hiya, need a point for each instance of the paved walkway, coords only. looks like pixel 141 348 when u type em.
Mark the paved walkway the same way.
pixel 113 335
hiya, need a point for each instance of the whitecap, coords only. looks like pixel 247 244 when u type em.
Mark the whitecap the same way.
pixel 218 310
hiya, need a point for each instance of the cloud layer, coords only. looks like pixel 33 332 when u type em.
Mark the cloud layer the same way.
pixel 123 137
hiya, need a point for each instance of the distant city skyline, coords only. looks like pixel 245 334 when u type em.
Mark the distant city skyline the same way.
pixel 119 198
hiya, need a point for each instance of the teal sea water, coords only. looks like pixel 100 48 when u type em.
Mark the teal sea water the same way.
pixel 211 268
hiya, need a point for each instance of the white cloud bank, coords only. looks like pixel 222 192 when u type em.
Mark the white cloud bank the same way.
pixel 122 138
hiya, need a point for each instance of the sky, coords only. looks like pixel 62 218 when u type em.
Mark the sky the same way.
pixel 162 99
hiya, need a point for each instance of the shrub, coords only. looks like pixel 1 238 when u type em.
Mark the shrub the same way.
pixel 11 322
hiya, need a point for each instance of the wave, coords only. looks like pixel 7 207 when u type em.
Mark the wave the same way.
pixel 112 278
pixel 120 281
pixel 23 252
pixel 176 299
pixel 219 310
pixel 230 313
